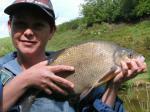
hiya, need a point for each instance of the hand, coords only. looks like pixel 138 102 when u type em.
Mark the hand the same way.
pixel 129 70
pixel 43 76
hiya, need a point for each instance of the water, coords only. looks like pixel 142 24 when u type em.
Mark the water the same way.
pixel 137 99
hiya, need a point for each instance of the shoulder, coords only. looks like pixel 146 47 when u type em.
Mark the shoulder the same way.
pixel 8 57
pixel 5 74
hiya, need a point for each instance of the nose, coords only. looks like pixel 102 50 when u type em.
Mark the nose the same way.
pixel 28 33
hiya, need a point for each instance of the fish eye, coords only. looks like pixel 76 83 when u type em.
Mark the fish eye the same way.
pixel 130 55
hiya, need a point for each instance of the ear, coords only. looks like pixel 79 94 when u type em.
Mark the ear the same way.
pixel 52 31
pixel 9 25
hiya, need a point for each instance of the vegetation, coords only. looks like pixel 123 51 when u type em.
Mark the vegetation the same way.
pixel 97 11
pixel 5 46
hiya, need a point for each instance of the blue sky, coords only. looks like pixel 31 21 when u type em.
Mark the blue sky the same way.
pixel 65 10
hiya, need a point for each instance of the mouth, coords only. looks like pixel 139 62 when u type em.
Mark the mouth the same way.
pixel 28 42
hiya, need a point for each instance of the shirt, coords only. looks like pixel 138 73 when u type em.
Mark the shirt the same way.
pixel 1 90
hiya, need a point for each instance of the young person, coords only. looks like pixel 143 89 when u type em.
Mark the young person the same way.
pixel 31 25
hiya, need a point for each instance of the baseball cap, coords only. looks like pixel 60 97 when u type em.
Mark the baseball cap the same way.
pixel 43 5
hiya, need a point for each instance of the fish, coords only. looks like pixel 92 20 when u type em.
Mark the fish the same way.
pixel 94 63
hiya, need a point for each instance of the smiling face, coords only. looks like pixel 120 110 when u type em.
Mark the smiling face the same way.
pixel 30 32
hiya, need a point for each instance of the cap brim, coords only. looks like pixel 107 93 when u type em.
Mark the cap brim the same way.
pixel 12 9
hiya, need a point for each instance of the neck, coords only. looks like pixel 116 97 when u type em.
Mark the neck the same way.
pixel 28 61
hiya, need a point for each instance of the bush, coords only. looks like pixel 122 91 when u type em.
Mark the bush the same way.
pixel 97 11
pixel 142 8
pixel 126 10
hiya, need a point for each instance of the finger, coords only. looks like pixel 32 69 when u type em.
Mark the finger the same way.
pixel 48 91
pixel 119 78
pixel 130 75
pixel 124 67
pixel 145 67
pixel 56 88
pixel 43 62
pixel 134 67
pixel 60 68
pixel 62 81
pixel 142 66
pixel 118 70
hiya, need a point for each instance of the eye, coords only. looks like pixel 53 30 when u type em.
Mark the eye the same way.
pixel 20 25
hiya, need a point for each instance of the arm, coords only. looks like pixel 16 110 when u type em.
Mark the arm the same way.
pixel 43 79
pixel 12 91
pixel 1 90
pixel 109 97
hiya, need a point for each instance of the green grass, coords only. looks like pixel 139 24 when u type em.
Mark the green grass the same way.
pixel 5 46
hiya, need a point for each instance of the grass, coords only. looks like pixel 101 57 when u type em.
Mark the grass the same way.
pixel 137 99
pixel 5 46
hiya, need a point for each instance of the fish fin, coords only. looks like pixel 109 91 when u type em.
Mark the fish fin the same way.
pixel 85 93
pixel 106 77
pixel 54 56
pixel 99 82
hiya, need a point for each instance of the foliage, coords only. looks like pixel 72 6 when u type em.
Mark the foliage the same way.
pixel 126 9
pixel 97 11
pixel 5 46
pixel 142 8
pixel 71 25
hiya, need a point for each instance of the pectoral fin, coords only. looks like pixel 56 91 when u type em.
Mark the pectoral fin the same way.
pixel 85 93
pixel 107 77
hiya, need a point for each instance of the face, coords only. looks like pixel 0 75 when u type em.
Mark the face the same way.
pixel 30 32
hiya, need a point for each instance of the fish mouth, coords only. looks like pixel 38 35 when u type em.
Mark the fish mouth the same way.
pixel 141 58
